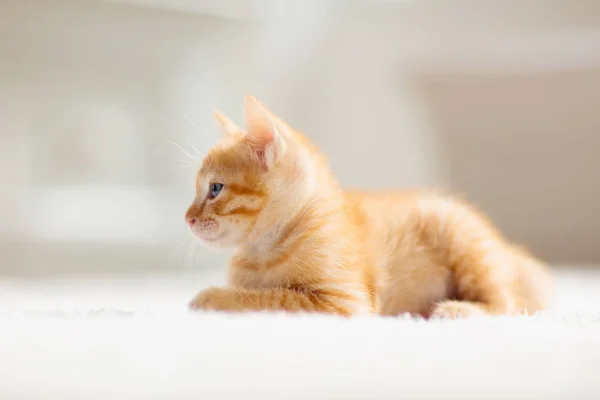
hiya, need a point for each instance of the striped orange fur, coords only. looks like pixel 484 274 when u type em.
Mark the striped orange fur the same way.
pixel 304 244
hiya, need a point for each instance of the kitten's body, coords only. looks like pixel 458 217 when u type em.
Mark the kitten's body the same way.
pixel 432 248
pixel 304 244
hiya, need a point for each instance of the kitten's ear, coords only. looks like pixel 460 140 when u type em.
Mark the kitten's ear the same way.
pixel 263 131
pixel 226 125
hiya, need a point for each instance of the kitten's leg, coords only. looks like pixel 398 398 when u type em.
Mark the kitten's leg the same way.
pixel 482 284
pixel 276 299
pixel 481 263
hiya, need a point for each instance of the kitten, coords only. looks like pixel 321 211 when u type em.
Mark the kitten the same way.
pixel 304 244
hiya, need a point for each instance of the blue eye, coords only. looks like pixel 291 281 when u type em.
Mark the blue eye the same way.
pixel 215 189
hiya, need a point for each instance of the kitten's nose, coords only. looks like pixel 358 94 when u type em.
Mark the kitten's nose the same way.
pixel 191 215
pixel 191 220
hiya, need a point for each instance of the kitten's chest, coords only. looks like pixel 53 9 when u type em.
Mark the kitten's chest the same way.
pixel 258 278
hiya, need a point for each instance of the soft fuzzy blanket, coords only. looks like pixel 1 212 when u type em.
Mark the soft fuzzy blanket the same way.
pixel 134 339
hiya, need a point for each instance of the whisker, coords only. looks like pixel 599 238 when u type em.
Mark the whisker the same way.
pixel 192 158
pixel 169 157
pixel 198 152
pixel 189 257
pixel 189 121
pixel 182 252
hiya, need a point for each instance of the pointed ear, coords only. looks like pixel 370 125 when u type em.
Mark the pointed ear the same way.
pixel 263 131
pixel 226 125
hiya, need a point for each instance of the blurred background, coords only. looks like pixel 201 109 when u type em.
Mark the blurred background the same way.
pixel 497 101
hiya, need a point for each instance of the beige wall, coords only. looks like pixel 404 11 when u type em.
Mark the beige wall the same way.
pixel 527 149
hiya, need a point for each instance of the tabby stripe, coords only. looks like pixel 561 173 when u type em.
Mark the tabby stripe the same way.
pixel 240 211
pixel 242 190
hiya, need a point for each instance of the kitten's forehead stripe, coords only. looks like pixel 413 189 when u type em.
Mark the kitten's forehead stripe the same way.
pixel 245 190
pixel 241 211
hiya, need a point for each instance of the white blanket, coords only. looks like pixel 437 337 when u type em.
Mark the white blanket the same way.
pixel 134 339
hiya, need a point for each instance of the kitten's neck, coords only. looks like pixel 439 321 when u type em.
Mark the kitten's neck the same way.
pixel 293 221
pixel 308 197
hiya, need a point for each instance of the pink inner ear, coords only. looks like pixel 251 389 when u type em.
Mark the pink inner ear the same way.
pixel 261 131
pixel 260 152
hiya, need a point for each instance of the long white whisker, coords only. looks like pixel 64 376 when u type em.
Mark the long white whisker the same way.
pixel 198 152
pixel 189 121
pixel 190 255
pixel 192 158
pixel 195 126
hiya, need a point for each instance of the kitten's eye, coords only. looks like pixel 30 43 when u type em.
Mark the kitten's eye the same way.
pixel 215 189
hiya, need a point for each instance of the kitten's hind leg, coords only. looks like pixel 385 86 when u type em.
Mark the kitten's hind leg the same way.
pixel 508 283
pixel 482 281
pixel 481 264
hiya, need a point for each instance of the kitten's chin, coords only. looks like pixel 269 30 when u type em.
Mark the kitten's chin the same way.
pixel 221 242
pixel 216 245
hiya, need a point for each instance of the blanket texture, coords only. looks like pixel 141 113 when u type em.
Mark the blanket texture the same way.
pixel 134 339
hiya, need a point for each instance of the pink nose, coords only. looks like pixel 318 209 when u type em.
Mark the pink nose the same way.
pixel 191 221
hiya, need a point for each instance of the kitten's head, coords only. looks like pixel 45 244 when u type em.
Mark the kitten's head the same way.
pixel 248 179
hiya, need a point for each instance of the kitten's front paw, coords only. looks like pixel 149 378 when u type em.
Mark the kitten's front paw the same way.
pixel 456 310
pixel 210 299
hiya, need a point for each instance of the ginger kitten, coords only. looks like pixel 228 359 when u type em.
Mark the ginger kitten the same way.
pixel 304 244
